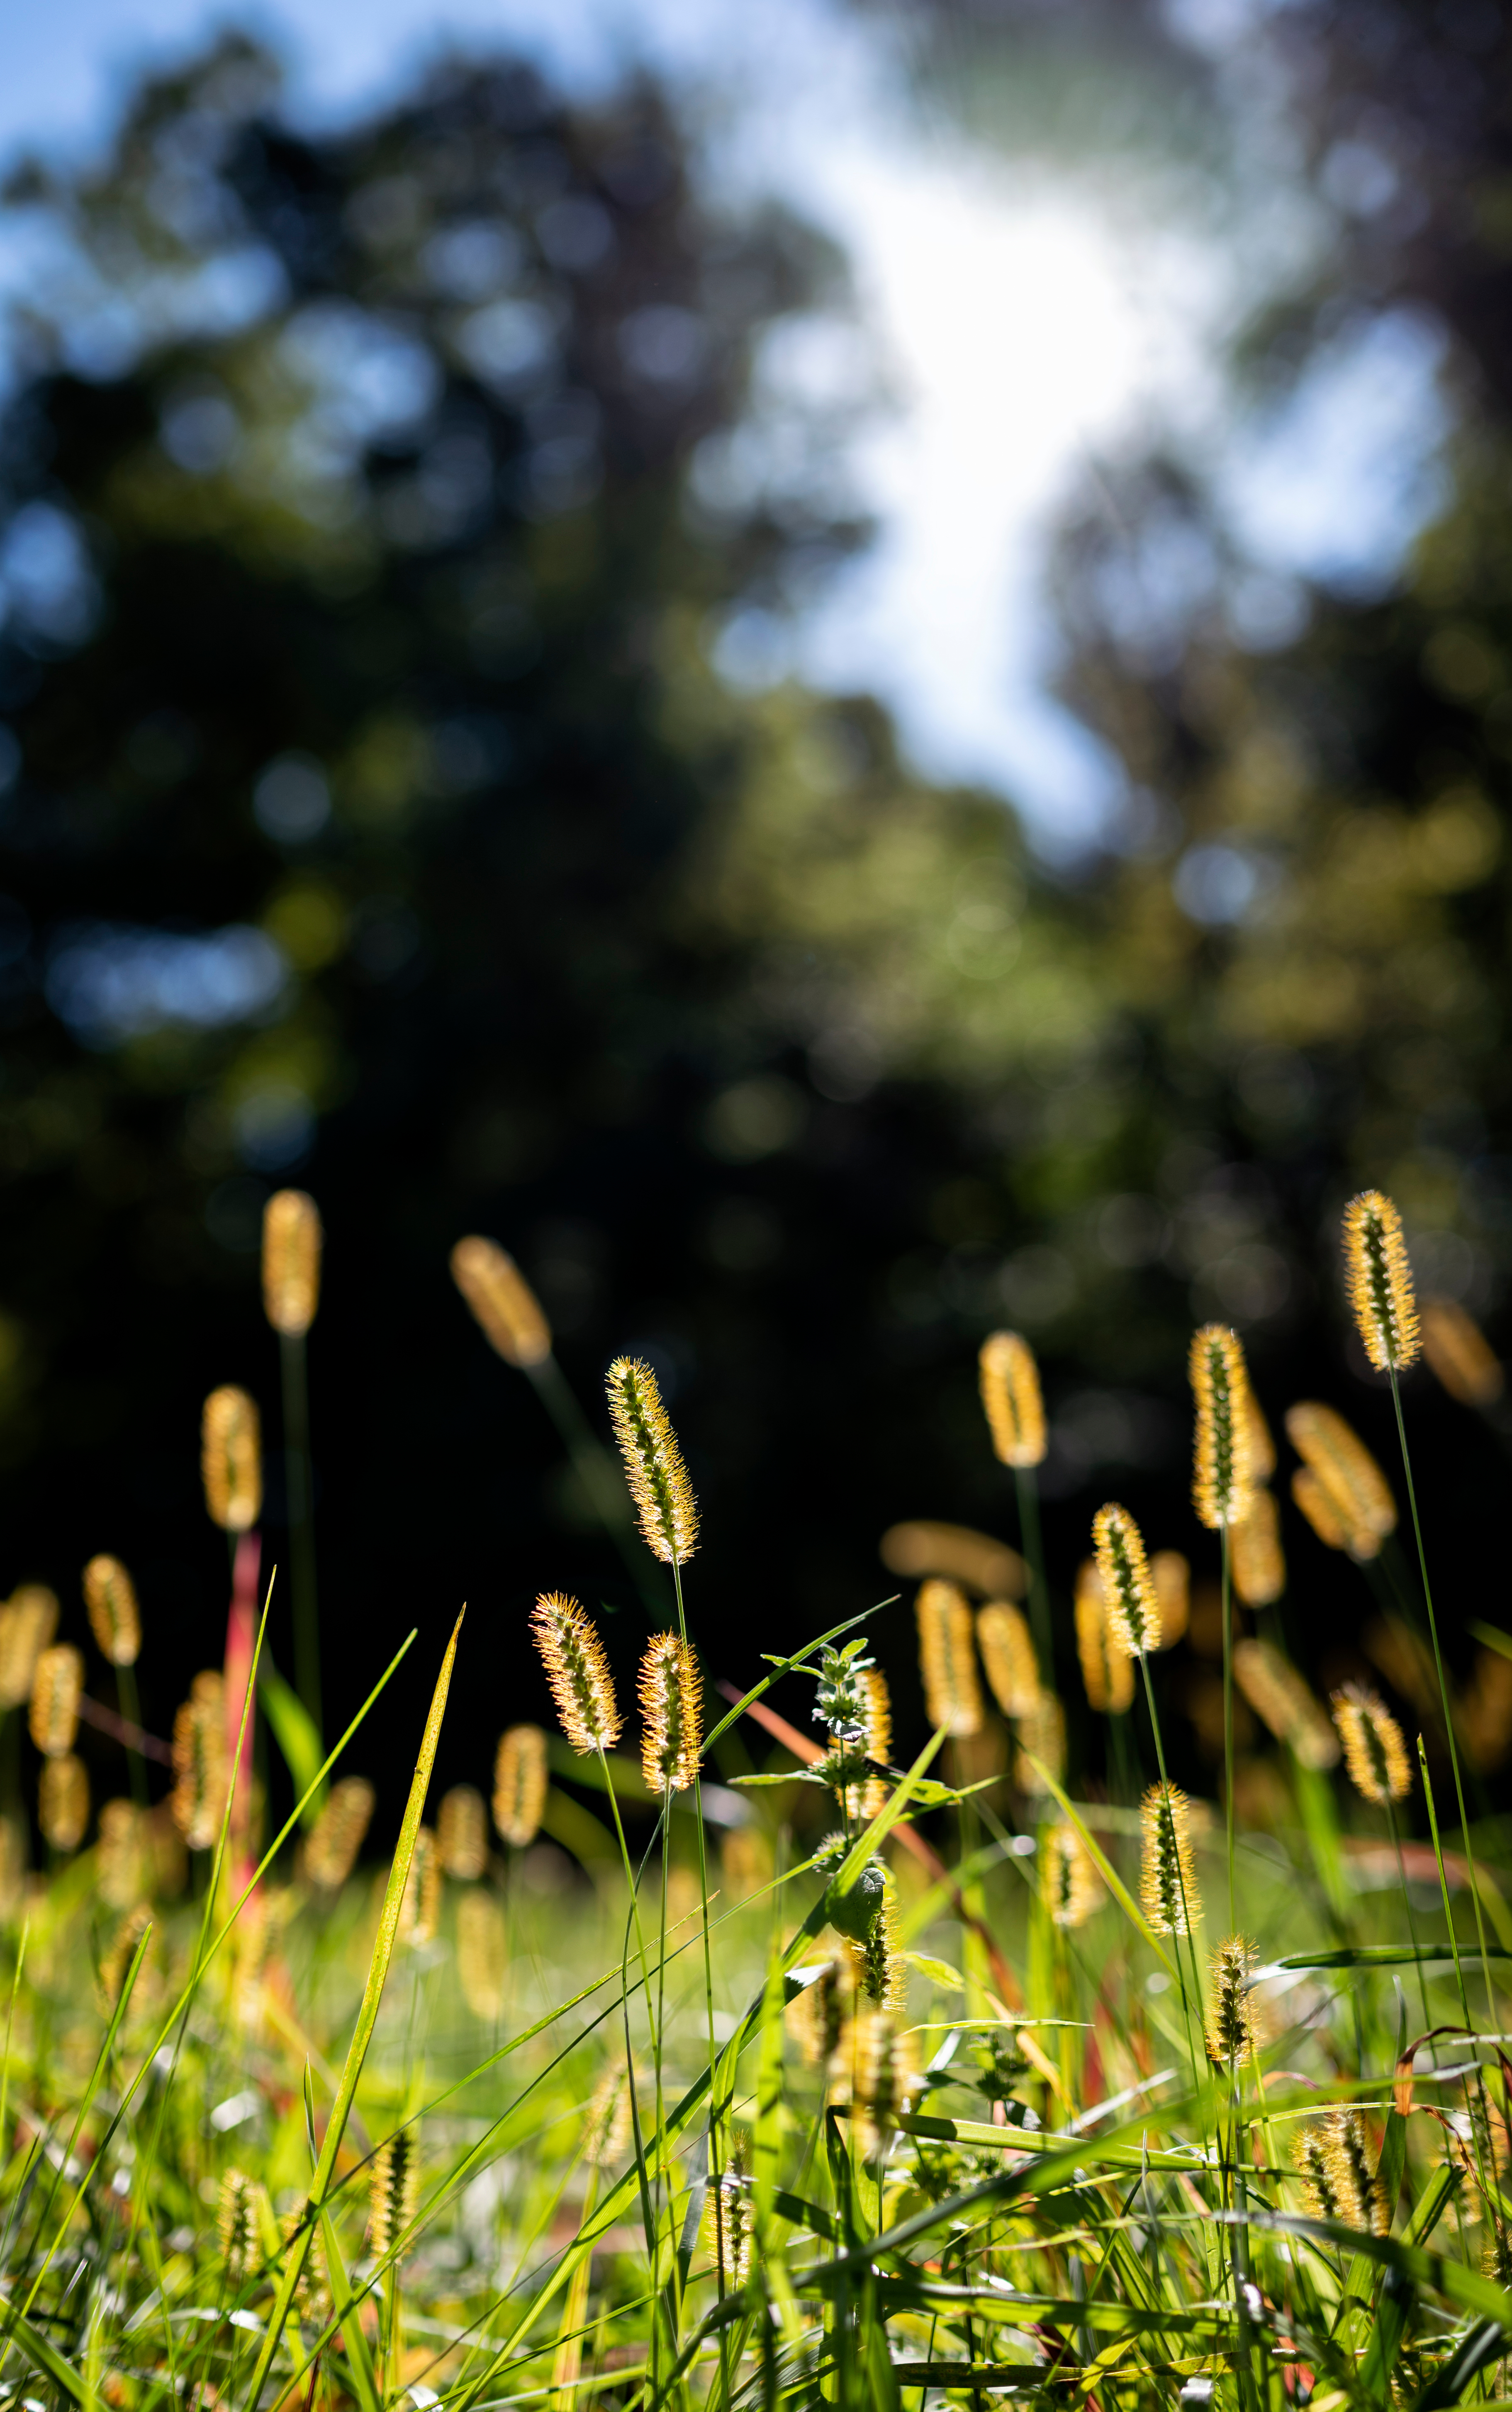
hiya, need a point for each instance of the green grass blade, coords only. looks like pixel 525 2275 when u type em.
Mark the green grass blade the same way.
pixel 297 1735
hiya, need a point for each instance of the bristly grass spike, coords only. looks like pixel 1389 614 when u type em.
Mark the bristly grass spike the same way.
pixel 947 1660
pixel 1356 1488
pixel 231 1458
pixel 520 1785
pixel 28 1621
pixel 336 1837
pixel 1379 1280
pixel 57 1687
pixel 653 1468
pixel 1230 2026
pixel 1007 1655
pixel 291 1245
pixel 393 2192
pixel 114 1618
pixel 1259 1563
pixel 577 1672
pixel 503 1306
pixel 1011 1399
pixel 672 1705
pixel 1351 2177
pixel 1459 1354
pixel 63 1803
pixel 1106 1674
pixel 1222 1456
pixel 1282 1701
pixel 1069 1883
pixel 1375 1752
pixel 1129 1598
pixel 462 1835
pixel 1168 1877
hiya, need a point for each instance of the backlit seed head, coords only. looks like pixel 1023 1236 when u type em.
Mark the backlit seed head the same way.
pixel 520 1785
pixel 1351 2173
pixel 1322 1513
pixel 230 1459
pixel 1106 1674
pixel 664 1501
pixel 606 2130
pixel 861 1803
pixel 817 2015
pixel 1379 1280
pixel 1262 1444
pixel 1375 1753
pixel 1171 1575
pixel 505 1307
pixel 1129 1597
pixel 1311 2155
pixel 57 1686
pixel 729 2221
pixel 1007 1651
pixel 419 1907
pixel 482 1954
pixel 1167 1879
pixel 874 2069
pixel 577 1672
pixel 880 1971
pixel 115 1965
pixel 1459 1354
pixel 1011 1402
pixel 746 1863
pixel 1222 1472
pixel 312 2295
pixel 1069 1885
pixel 948 1661
pixel 462 1835
pixel 393 2192
pixel 1281 1701
pixel 63 1803
pixel 123 1866
pixel 1041 1739
pixel 1256 1557
pixel 291 1241
pixel 1230 2028
pixel 1356 1489
pixel 114 1618
pixel 671 1703
pixel 201 1775
pixel 337 1835
pixel 238 2227
pixel 28 1621
pixel 922 1548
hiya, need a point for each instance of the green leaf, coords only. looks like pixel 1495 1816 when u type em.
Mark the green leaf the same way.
pixel 294 1732
pixel 1384 1955
pixel 938 1971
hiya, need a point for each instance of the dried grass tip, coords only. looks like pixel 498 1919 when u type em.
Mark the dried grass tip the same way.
pixel 520 1785
pixel 664 1506
pixel 291 1242
pixel 1459 1354
pixel 230 1458
pixel 1008 1654
pixel 1281 1701
pixel 1222 1462
pixel 1129 1596
pixel 114 1618
pixel 1106 1674
pixel 1255 1556
pixel 393 2191
pixel 1230 2025
pixel 28 1621
pixel 503 1306
pixel 1168 1878
pixel 1357 1490
pixel 1379 1281
pixel 948 1661
pixel 1375 1753
pixel 577 1672
pixel 973 1559
pixel 671 1703
pixel 57 1687
pixel 462 1834
pixel 1069 1885
pixel 337 1835
pixel 1011 1401
pixel 63 1803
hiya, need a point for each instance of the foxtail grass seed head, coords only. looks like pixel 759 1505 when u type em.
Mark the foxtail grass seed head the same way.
pixel 1310 2153
pixel 1230 2028
pixel 28 1621
pixel 921 1548
pixel 1011 1401
pixel 1375 1753
pixel 520 1785
pixel 201 1772
pixel 1379 1280
pixel 1351 2174
pixel 817 2015
pixel 1069 1885
pixel 482 1954
pixel 121 1866
pixel 952 1694
pixel 729 2221
pixel 577 1672
pixel 1008 1654
pixel 873 2068
pixel 114 1618
pixel 238 2227
pixel 1106 1674
pixel 63 1803
pixel 230 1459
pixel 1358 1490
pixel 115 1961
pixel 462 1835
pixel 861 1803
pixel 1281 1701
pixel 1168 1878
pixel 1129 1596
pixel 1041 1745
pixel 1256 1557
pixel 419 1907
pixel 1459 1355
pixel 338 1834
pixel 57 1687
pixel 664 1506
pixel 393 2192
pixel 312 2296
pixel 1322 1513
pixel 606 2130
pixel 878 1970
pixel 1171 1575
pixel 291 1242
pixel 671 1704
pixel 1222 1471
pixel 1262 1444
pixel 505 1307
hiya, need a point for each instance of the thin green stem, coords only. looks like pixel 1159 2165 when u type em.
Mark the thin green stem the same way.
pixel 602 1483
pixel 1186 1907
pixel 1228 1725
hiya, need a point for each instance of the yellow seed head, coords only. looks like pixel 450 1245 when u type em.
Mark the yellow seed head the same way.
pixel 238 2227
pixel 291 1241
pixel 606 2130
pixel 231 1456
pixel 520 1785
pixel 337 1835
pixel 1041 1737
pixel 28 1621
pixel 1011 1401
pixel 1356 1489
pixel 861 1803
pixel 952 1694
pixel 482 1954
pixel 1282 1703
pixel 1167 1879
pixel 577 1672
pixel 393 2192
pixel 1129 1596
pixel 1311 2154
pixel 462 1835
pixel 1351 2176
pixel 419 1907
pixel 1262 1446
pixel 1256 1557
pixel 653 1468
pixel 729 2220
pixel 115 1965
pixel 506 1310
pixel 201 1772
pixel 1106 1674
pixel 121 1868
pixel 879 1973
pixel 671 1703
pixel 1379 1280
pixel 57 1687
pixel 873 2068
pixel 114 1618
pixel 817 2015
pixel 1321 1512
pixel 745 1865
pixel 1069 1885
pixel 1459 1354
pixel 1222 1472
pixel 1375 1753
pixel 975 1559
pixel 1230 2025
pixel 63 1803
pixel 1008 1651
pixel 1172 1577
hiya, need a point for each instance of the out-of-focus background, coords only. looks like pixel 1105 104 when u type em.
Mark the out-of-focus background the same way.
pixel 845 671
